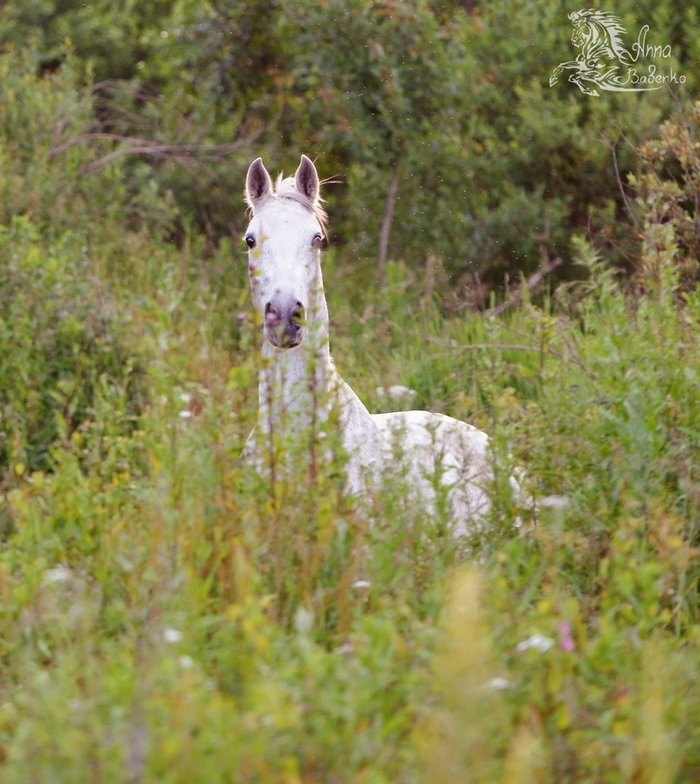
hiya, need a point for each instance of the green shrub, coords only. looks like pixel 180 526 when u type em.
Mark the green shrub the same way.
pixel 668 201
pixel 62 350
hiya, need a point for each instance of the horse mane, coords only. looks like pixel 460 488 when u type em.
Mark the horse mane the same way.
pixel 612 28
pixel 285 188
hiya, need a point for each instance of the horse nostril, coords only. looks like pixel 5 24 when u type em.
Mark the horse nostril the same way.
pixel 297 317
pixel 272 315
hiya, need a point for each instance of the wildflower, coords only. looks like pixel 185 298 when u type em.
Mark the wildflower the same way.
pixel 172 635
pixel 303 621
pixel 397 394
pixel 537 642
pixel 59 574
pixel 566 642
pixel 361 585
pixel 555 502
pixel 499 683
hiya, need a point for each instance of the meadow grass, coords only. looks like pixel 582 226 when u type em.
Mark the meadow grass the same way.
pixel 168 616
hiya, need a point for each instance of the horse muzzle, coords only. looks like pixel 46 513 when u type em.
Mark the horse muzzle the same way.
pixel 284 324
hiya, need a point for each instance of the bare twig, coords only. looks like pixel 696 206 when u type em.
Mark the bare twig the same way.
pixel 135 146
pixel 386 223
pixel 488 347
pixel 532 283
pixel 573 356
pixel 517 347
pixel 620 185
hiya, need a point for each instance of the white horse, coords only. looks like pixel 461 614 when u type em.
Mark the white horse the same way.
pixel 299 385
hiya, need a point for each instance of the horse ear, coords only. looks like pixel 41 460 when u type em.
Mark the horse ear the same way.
pixel 306 179
pixel 258 184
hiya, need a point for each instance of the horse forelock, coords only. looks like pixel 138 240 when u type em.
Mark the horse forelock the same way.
pixel 285 188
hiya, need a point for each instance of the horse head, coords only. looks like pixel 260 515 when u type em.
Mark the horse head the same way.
pixel 284 239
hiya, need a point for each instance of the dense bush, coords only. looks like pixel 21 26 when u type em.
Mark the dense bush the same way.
pixel 668 200
pixel 446 110
pixel 62 350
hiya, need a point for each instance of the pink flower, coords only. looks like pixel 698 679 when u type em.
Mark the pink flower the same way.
pixel 566 641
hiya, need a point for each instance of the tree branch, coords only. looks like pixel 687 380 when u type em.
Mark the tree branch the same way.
pixel 627 204
pixel 147 148
pixel 532 283
pixel 386 224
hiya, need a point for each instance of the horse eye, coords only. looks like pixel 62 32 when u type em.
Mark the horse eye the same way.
pixel 318 239
pixel 250 241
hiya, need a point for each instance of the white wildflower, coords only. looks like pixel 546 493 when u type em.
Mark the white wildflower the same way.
pixel 303 621
pixel 555 502
pixel 172 635
pixel 59 574
pixel 499 683
pixel 536 642
pixel 397 394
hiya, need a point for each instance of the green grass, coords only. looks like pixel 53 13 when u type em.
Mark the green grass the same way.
pixel 164 619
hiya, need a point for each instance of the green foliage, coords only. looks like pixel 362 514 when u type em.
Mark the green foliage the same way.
pixel 56 166
pixel 113 36
pixel 63 355
pixel 669 201
pixel 495 170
